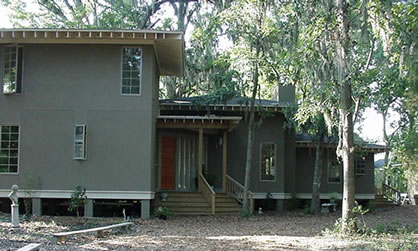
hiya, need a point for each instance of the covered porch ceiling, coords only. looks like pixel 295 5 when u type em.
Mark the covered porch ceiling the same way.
pixel 168 45
pixel 196 122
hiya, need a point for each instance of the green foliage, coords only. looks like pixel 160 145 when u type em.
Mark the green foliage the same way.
pixel 391 236
pixel 78 199
pixel 30 185
pixel 358 209
pixel 163 213
pixel 334 197
pixel 245 212
pixel 396 175
pixel 352 227
pixel 371 206
pixel 307 208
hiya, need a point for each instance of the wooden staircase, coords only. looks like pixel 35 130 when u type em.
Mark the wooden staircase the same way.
pixel 387 197
pixel 187 203
pixel 380 201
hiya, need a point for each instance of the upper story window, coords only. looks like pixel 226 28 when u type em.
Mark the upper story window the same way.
pixel 9 149
pixel 131 71
pixel 334 169
pixel 268 162
pixel 360 164
pixel 12 69
pixel 80 142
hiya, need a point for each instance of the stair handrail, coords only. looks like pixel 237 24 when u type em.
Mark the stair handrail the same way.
pixel 236 191
pixel 391 193
pixel 207 192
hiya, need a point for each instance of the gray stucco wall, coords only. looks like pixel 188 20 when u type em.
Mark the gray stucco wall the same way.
pixel 270 131
pixel 155 113
pixel 305 160
pixel 290 161
pixel 64 85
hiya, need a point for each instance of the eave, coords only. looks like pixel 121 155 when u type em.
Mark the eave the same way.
pixel 358 147
pixel 195 122
pixel 168 45
pixel 218 107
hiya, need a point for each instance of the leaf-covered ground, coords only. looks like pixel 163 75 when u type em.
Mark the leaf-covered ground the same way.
pixel 278 231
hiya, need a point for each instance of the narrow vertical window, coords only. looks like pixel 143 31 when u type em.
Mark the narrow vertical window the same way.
pixel 334 169
pixel 80 138
pixel 131 71
pixel 268 162
pixel 9 149
pixel 12 69
pixel 360 164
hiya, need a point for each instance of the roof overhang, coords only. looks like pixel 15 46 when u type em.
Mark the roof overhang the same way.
pixel 358 147
pixel 195 122
pixel 168 45
pixel 217 107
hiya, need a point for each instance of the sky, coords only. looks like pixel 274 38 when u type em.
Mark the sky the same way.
pixel 371 127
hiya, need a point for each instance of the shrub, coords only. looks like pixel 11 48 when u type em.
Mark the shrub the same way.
pixel 78 199
pixel 162 213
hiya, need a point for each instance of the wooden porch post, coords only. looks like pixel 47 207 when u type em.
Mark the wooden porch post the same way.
pixel 224 147
pixel 200 154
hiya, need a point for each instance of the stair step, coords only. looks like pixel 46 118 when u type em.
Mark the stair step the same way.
pixel 190 209
pixel 182 204
pixel 186 203
pixel 184 195
pixel 228 209
pixel 194 200
pixel 227 204
pixel 225 200
pixel 191 213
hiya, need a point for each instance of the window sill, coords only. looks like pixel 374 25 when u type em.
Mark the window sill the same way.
pixel 131 95
pixel 9 173
pixel 267 180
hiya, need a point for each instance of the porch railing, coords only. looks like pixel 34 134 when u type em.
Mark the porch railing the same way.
pixel 207 192
pixel 391 194
pixel 236 190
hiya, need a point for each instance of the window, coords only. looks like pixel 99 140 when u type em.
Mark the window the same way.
pixel 334 169
pixel 12 69
pixel 80 140
pixel 268 162
pixel 360 163
pixel 131 71
pixel 9 149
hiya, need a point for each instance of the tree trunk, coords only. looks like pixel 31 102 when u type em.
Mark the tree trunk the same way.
pixel 343 43
pixel 251 127
pixel 316 200
pixel 385 138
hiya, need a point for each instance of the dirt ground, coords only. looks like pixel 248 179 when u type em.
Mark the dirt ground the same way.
pixel 279 231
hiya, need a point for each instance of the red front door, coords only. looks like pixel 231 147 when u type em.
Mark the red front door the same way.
pixel 168 149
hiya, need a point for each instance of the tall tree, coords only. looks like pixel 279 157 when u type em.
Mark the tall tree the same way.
pixel 105 14
pixel 395 23
pixel 346 111
pixel 252 32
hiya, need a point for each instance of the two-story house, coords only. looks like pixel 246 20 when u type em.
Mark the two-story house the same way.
pixel 81 107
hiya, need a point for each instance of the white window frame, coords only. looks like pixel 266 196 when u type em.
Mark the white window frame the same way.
pixel 363 163
pixel 261 161
pixel 83 142
pixel 140 71
pixel 329 162
pixel 18 69
pixel 18 149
